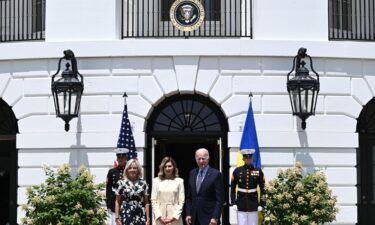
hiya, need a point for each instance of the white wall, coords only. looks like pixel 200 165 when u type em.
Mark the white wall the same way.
pixel 290 20
pixel 77 20
pixel 329 141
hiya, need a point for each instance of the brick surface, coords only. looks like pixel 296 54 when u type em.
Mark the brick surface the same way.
pixel 13 92
pixel 240 65
pixel 51 157
pixel 74 140
pixel 276 104
pixel 208 72
pixel 334 86
pixel 94 66
pixel 111 85
pixel 95 104
pixel 4 79
pixel 259 84
pixel 150 89
pixel 343 67
pixel 338 123
pixel 342 105
pixel 239 104
pixel 165 74
pixel 136 105
pixel 222 89
pixel 37 87
pixel 361 90
pixel 263 122
pixel 276 66
pixel 44 123
pixel 310 139
pixel 186 72
pixel 324 157
pixel 30 68
pixel 28 106
pixel 131 66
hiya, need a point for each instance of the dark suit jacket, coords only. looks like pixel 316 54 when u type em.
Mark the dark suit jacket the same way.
pixel 207 203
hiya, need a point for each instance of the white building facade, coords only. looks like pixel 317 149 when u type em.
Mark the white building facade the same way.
pixel 214 72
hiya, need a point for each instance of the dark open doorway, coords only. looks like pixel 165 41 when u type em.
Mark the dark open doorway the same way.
pixel 179 126
pixel 182 150
pixel 366 164
pixel 8 170
pixel 8 165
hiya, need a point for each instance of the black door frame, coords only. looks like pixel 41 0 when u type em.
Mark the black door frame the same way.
pixel 8 132
pixel 223 133
pixel 365 176
pixel 224 162
pixel 12 155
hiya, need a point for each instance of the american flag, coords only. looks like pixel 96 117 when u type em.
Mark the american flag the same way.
pixel 125 138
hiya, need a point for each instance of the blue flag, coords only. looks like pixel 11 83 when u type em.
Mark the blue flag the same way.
pixel 249 138
pixel 125 139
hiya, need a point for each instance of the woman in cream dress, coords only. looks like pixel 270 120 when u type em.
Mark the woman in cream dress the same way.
pixel 168 194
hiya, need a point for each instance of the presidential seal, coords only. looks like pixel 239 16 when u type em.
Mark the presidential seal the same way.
pixel 187 15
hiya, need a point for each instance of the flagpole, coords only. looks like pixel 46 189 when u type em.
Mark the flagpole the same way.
pixel 125 96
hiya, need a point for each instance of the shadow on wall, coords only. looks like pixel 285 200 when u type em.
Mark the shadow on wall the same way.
pixel 304 156
pixel 77 159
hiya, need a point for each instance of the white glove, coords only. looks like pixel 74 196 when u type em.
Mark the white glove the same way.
pixel 260 208
pixel 234 207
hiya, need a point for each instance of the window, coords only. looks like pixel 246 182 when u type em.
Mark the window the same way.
pixel 22 20
pixel 351 19
pixel 151 18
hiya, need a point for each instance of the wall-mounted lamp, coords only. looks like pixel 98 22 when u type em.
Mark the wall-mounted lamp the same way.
pixel 303 89
pixel 67 90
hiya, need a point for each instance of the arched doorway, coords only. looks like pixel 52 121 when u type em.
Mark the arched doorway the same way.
pixel 366 164
pixel 8 164
pixel 181 124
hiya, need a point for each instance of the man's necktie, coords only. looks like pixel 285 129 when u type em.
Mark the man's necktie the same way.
pixel 199 180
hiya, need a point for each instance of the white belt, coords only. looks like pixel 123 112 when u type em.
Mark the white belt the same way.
pixel 247 190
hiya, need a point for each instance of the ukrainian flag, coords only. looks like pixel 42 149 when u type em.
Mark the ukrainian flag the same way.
pixel 249 140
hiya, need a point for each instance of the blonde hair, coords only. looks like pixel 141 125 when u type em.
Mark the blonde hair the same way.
pixel 166 160
pixel 137 164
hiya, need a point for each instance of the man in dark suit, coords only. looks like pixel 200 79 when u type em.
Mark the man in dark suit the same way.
pixel 205 194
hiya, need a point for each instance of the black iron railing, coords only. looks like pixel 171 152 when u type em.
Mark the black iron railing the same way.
pixel 22 20
pixel 150 18
pixel 352 20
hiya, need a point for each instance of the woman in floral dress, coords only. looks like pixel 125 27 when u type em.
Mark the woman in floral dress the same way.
pixel 132 205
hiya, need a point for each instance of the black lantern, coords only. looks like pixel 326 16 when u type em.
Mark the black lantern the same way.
pixel 303 89
pixel 67 90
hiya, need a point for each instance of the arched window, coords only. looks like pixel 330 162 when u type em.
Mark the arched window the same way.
pixel 188 114
pixel 366 119
pixel 8 121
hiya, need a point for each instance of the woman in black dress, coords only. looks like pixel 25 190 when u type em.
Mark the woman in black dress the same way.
pixel 132 205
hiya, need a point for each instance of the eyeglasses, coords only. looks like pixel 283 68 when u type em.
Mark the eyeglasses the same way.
pixel 122 156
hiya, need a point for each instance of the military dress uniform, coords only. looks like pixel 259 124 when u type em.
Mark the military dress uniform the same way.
pixel 247 178
pixel 113 176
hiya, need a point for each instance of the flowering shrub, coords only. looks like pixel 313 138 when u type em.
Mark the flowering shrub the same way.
pixel 63 200
pixel 293 199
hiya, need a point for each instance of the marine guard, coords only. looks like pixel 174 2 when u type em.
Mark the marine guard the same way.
pixel 114 175
pixel 247 178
